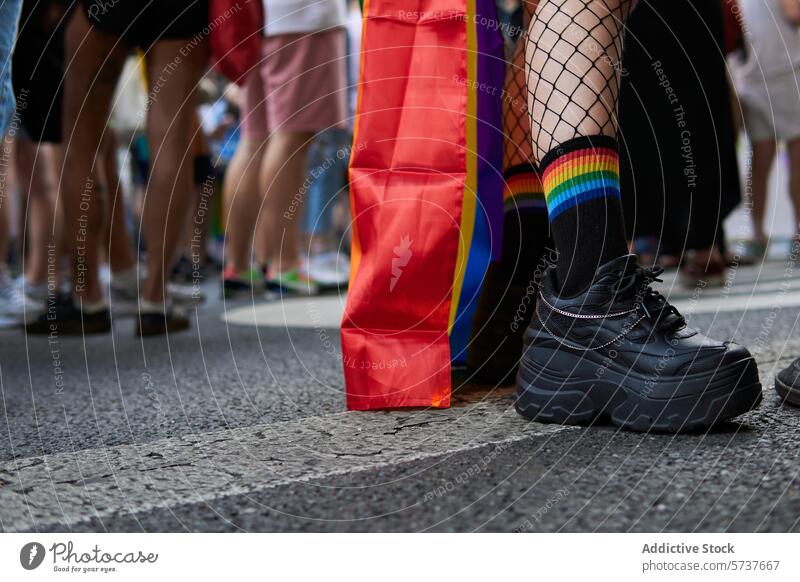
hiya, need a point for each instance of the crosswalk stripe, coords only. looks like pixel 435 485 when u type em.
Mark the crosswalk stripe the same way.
pixel 68 488
pixel 305 312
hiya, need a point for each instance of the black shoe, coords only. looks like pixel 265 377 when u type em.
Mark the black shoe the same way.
pixel 501 318
pixel 185 271
pixel 620 350
pixel 787 383
pixel 247 284
pixel 62 316
pixel 160 322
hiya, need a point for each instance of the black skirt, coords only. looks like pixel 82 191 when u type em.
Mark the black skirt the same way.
pixel 678 160
pixel 144 22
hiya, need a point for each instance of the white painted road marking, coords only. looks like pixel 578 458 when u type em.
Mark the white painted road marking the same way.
pixel 752 288
pixel 310 312
pixel 68 488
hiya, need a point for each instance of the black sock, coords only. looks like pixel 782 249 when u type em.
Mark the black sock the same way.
pixel 526 231
pixel 581 185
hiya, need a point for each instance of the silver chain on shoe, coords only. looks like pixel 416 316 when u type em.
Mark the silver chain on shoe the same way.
pixel 579 316
pixel 566 344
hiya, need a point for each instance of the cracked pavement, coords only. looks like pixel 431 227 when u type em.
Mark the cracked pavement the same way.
pixel 242 427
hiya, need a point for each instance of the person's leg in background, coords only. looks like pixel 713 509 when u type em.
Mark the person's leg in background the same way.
pixel 117 245
pixel 759 120
pixel 94 61
pixel 304 77
pixel 242 194
pixel 120 248
pixel 169 122
pixel 37 76
pixel 503 310
pixel 282 176
pixel 599 328
pixel 38 166
pixel 14 304
pixel 763 158
pixel 793 149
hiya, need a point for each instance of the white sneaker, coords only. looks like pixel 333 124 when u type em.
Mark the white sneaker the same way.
pixel 329 270
pixel 13 302
pixel 36 292
pixel 125 284
pixel 186 295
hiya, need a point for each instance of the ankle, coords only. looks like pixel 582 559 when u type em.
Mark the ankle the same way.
pixel 581 185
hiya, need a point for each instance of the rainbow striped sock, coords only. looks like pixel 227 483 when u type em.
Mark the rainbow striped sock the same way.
pixel 523 189
pixel 581 185
pixel 577 174
pixel 526 231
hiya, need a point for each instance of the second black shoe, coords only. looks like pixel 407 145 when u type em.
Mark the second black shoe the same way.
pixel 619 350
pixel 156 319
pixel 787 383
pixel 62 316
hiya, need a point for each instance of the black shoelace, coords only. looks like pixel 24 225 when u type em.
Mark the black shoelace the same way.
pixel 659 311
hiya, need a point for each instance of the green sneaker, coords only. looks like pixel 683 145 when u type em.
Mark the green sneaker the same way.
pixel 292 282
pixel 247 283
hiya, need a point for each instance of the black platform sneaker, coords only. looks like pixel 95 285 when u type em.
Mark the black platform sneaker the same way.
pixel 787 383
pixel 619 350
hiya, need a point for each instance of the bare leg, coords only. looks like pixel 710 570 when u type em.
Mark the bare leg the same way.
pixel 794 180
pixel 282 177
pixel 242 197
pixel 94 61
pixel 169 122
pixel 763 156
pixel 39 181
pixel 120 247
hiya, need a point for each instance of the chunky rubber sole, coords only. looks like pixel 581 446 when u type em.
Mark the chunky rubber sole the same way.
pixel 156 324
pixel 585 397
pixel 87 327
pixel 788 393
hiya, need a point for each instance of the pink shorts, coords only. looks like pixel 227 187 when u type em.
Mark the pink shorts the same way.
pixel 299 85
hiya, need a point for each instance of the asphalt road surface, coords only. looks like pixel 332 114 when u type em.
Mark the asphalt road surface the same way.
pixel 241 425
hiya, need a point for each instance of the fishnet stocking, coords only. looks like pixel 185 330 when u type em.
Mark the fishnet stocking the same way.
pixel 573 55
pixel 517 146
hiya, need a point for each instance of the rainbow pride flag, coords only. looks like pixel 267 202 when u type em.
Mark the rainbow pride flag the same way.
pixel 426 195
